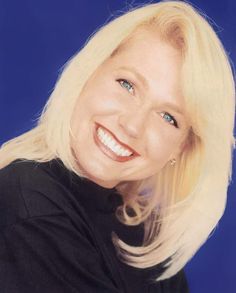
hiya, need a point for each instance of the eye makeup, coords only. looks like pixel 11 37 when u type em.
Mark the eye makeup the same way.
pixel 170 119
pixel 127 85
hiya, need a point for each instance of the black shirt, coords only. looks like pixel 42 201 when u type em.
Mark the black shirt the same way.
pixel 56 235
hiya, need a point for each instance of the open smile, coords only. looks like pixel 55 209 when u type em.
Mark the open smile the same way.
pixel 111 146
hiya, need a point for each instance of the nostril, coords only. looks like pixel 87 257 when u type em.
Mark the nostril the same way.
pixel 132 130
pixel 133 124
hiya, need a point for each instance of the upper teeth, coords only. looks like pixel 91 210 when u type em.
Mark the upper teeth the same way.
pixel 107 139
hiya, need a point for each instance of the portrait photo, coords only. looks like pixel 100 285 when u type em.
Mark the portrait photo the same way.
pixel 117 143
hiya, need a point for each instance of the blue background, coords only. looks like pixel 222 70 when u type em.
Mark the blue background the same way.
pixel 38 36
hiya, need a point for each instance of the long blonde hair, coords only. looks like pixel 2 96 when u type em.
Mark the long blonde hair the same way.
pixel 181 205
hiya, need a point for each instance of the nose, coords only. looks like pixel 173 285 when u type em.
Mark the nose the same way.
pixel 134 122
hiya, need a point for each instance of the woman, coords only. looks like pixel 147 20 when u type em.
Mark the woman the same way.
pixel 126 173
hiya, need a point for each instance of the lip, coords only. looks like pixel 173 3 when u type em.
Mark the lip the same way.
pixel 108 151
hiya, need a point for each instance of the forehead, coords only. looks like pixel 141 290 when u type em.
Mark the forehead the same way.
pixel 155 61
pixel 146 49
pixel 145 36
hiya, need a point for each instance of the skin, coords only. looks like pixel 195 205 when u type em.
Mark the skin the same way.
pixel 133 112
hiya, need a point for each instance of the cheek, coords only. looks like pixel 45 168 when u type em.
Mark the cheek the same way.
pixel 162 142
pixel 104 95
pixel 103 101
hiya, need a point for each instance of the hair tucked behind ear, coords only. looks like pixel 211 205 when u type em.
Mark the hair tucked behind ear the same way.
pixel 181 205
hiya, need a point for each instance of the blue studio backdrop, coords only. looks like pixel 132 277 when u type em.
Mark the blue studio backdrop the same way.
pixel 39 36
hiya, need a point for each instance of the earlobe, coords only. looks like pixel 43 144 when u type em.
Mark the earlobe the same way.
pixel 182 148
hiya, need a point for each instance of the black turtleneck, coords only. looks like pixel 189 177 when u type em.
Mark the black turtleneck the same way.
pixel 56 235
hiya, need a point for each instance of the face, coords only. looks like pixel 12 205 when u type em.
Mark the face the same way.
pixel 129 120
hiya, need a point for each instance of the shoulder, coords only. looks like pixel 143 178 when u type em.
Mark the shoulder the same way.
pixel 177 283
pixel 28 189
pixel 41 221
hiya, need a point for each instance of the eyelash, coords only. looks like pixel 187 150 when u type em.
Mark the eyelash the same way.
pixel 163 114
pixel 174 122
pixel 126 81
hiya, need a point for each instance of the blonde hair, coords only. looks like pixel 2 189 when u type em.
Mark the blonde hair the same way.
pixel 181 205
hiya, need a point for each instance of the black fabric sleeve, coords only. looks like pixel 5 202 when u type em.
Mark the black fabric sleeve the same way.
pixel 47 254
pixel 176 284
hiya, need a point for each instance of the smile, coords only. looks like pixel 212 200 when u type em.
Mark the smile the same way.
pixel 111 146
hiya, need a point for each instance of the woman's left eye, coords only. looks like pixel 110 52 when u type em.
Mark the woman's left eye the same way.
pixel 127 85
pixel 169 118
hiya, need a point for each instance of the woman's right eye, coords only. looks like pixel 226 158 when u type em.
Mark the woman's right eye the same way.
pixel 127 85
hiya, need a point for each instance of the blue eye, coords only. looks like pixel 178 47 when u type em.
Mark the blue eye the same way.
pixel 169 118
pixel 127 85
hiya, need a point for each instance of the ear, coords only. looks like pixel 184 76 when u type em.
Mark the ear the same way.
pixel 184 145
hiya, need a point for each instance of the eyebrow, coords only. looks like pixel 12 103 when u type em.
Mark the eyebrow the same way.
pixel 171 106
pixel 138 75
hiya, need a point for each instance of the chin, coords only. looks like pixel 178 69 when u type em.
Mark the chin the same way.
pixel 95 174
